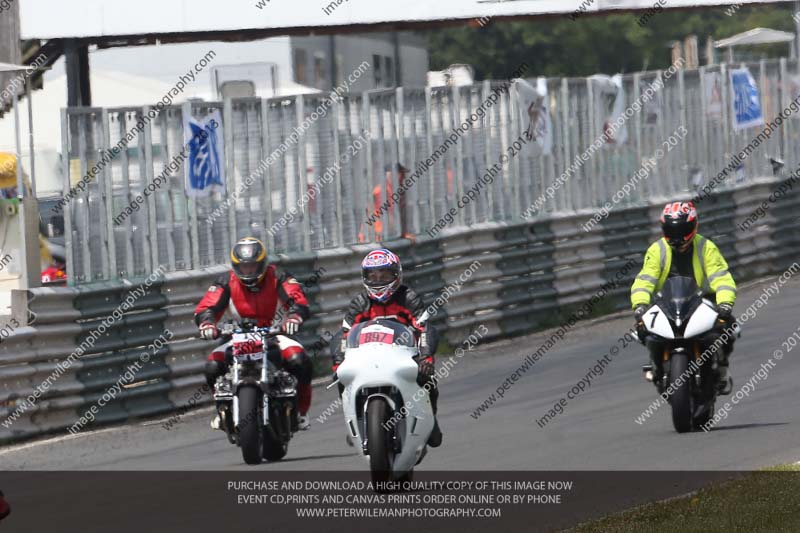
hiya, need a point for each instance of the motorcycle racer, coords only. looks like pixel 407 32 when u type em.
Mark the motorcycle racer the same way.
pixel 683 252
pixel 252 289
pixel 385 296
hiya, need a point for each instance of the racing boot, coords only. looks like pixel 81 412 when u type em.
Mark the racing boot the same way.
pixel 220 388
pixel 435 438
pixel 216 422
pixel 724 381
pixel 654 372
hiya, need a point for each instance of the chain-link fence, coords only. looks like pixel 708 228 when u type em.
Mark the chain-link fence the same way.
pixel 389 163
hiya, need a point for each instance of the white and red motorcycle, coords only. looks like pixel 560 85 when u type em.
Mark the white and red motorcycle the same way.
pixel 386 412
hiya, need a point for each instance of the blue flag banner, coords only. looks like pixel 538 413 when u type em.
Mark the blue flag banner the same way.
pixel 205 164
pixel 745 101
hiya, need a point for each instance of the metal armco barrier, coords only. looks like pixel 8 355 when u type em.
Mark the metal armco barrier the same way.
pixel 530 276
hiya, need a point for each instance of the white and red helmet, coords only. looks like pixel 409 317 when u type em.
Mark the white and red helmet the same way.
pixel 381 274
pixel 679 223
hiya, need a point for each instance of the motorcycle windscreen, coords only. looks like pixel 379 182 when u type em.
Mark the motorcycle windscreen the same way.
pixel 679 298
pixel 381 331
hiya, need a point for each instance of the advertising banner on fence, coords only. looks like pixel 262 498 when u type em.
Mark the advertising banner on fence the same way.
pixel 534 114
pixel 610 106
pixel 205 165
pixel 745 100
pixel 713 94
pixel 652 108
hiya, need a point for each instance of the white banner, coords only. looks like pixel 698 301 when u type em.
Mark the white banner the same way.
pixel 610 107
pixel 653 108
pixel 713 94
pixel 534 114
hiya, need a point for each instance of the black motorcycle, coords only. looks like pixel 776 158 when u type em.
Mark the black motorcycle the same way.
pixel 686 324
pixel 256 399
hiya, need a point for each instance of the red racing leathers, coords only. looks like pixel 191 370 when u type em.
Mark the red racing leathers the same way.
pixel 406 307
pixel 227 293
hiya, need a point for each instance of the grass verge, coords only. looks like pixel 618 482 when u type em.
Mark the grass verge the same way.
pixel 767 500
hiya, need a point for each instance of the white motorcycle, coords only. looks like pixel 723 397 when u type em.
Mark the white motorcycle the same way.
pixel 385 410
pixel 685 322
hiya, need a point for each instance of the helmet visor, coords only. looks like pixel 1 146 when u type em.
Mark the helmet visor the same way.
pixel 376 277
pixel 678 235
pixel 248 269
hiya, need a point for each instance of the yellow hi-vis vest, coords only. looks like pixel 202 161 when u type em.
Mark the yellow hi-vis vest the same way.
pixel 710 271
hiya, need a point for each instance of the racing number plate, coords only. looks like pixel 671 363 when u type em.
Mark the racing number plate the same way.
pixel 247 346
pixel 376 333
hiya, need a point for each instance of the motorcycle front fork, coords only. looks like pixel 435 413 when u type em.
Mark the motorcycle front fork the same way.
pixel 661 382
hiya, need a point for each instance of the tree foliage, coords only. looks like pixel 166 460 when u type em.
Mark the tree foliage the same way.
pixel 594 44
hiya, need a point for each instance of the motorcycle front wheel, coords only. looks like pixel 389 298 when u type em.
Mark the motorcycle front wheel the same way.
pixel 276 439
pixel 681 398
pixel 379 445
pixel 250 435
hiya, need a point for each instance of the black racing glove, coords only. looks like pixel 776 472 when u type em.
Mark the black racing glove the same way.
pixel 724 315
pixel 338 359
pixel 426 371
pixel 338 355
pixel 638 313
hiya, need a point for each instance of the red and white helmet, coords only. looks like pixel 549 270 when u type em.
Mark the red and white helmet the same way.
pixel 679 223
pixel 381 274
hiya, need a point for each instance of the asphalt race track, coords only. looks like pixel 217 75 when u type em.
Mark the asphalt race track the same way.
pixel 597 430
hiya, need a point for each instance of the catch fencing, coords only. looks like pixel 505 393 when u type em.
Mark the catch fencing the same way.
pixel 402 128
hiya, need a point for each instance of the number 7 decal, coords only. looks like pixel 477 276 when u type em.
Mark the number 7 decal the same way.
pixel 654 314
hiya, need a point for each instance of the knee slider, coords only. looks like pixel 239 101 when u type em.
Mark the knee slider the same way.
pixel 213 370
pixel 299 364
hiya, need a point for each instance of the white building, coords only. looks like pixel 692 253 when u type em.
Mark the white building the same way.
pixel 276 66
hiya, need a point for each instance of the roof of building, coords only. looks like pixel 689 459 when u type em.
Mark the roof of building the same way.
pixel 116 20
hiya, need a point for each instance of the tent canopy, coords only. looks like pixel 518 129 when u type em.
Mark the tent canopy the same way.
pixel 756 36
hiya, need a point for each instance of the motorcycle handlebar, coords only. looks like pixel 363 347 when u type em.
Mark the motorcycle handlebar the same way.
pixel 230 328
